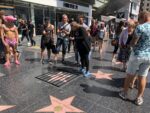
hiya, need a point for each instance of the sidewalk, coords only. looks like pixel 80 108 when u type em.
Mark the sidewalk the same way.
pixel 33 87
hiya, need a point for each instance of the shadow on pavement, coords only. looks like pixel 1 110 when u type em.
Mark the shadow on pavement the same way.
pixel 148 85
pixel 99 91
pixel 116 82
pixel 105 60
pixel 32 60
pixel 68 69
pixel 69 63
pixel 108 68
pixel 110 52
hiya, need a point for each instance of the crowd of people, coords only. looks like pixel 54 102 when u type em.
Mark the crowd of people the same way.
pixel 131 42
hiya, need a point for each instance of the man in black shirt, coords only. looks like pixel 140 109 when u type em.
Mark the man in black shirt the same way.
pixel 31 32
pixel 24 29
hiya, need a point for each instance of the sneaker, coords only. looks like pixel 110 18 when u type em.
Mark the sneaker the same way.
pixel 28 44
pixel 63 61
pixel 139 101
pixel 113 60
pixel 51 63
pixel 82 70
pixel 123 95
pixel 55 62
pixel 87 74
pixel 42 61
pixel 49 60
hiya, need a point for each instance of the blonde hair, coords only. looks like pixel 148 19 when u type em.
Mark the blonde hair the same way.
pixel 131 23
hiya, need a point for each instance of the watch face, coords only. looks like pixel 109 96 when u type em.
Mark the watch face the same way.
pixel 63 34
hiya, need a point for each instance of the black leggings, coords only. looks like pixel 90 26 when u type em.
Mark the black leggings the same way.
pixel 25 35
pixel 33 43
pixel 84 60
pixel 116 47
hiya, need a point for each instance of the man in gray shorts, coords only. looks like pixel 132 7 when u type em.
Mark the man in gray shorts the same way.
pixel 139 62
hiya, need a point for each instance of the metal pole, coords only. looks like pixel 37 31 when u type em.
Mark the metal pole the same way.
pixel 13 4
pixel 131 9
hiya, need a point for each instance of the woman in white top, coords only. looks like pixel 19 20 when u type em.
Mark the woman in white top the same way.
pixel 101 36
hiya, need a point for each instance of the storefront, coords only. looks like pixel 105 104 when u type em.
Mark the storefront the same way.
pixel 7 6
pixel 36 10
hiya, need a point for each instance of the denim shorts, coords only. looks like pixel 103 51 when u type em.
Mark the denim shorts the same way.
pixel 138 65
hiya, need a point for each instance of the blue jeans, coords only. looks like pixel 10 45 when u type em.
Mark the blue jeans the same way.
pixel 64 43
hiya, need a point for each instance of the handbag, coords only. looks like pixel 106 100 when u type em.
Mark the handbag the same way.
pixel 114 42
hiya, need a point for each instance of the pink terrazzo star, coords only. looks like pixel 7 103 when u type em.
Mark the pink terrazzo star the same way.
pixel 5 107
pixel 101 75
pixel 60 106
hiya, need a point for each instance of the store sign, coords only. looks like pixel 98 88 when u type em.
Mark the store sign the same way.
pixel 70 5
pixel 121 15
pixel 105 18
pixel 90 2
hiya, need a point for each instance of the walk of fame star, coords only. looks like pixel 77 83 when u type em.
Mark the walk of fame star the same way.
pixel 5 107
pixel 117 63
pixel 60 106
pixel 101 75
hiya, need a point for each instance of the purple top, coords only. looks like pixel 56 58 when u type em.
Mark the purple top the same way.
pixel 123 37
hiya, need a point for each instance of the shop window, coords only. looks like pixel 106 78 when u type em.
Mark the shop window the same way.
pixel 6 2
pixel 134 6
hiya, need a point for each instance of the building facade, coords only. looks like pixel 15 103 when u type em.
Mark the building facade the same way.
pixel 131 10
pixel 145 5
pixel 37 10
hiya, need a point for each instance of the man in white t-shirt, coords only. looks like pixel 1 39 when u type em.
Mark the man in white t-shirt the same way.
pixel 63 32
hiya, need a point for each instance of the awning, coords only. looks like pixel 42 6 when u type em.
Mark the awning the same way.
pixel 6 7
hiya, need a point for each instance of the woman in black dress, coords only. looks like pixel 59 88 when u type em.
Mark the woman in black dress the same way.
pixel 83 45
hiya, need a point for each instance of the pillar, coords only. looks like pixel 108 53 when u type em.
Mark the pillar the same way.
pixel 90 15
pixel 32 13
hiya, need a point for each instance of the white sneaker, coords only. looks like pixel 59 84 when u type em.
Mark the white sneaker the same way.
pixel 123 95
pixel 139 101
pixel 28 44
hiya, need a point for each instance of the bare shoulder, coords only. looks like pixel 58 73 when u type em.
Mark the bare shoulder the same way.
pixel 52 26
